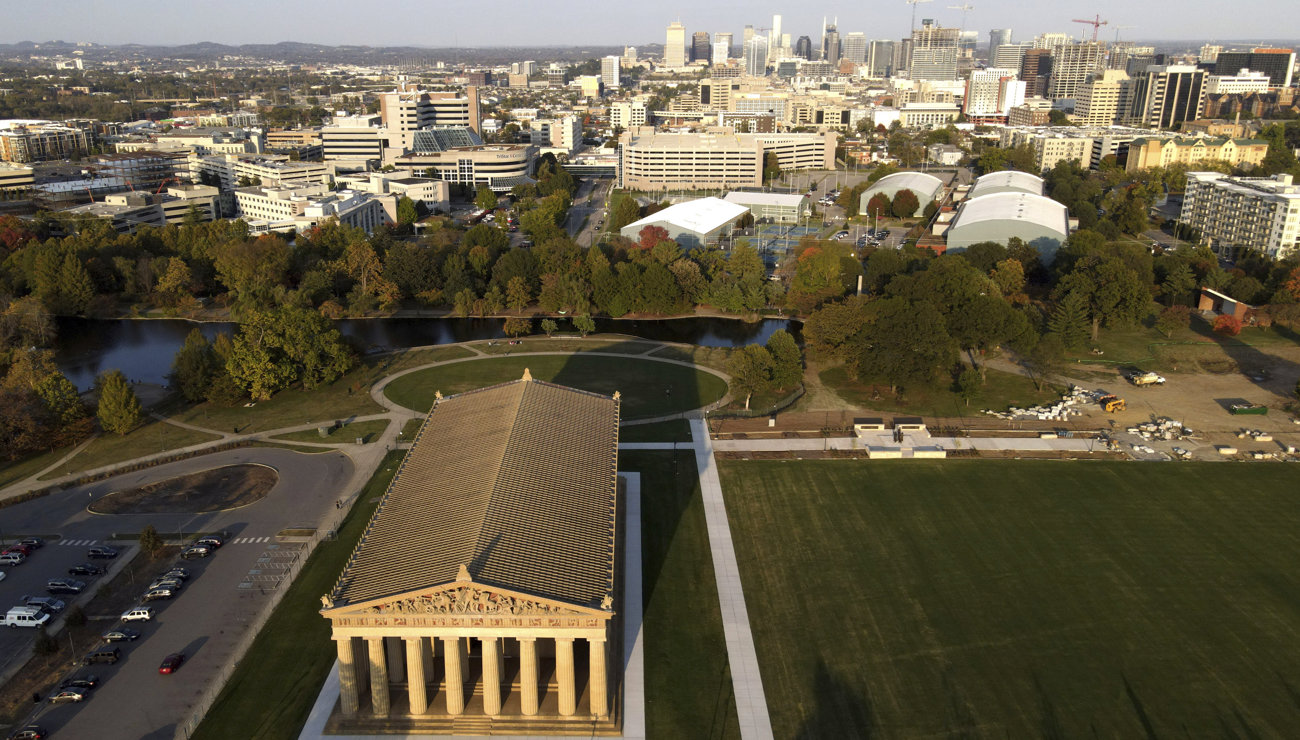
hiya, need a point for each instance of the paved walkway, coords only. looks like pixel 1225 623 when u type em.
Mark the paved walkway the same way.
pixel 747 683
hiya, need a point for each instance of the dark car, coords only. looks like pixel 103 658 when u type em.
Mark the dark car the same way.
pixel 69 695
pixel 174 584
pixel 121 634
pixel 103 552
pixel 85 569
pixel 85 681
pixel 30 732
pixel 64 586
pixel 178 573
pixel 171 663
pixel 196 551
pixel 102 655
pixel 33 542
pixel 211 540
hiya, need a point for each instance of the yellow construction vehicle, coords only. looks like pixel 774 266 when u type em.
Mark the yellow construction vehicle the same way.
pixel 1112 403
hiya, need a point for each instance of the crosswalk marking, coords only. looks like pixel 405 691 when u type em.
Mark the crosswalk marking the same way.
pixel 76 543
pixel 249 540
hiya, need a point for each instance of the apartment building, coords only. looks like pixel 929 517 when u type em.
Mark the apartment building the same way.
pixel 229 171
pixel 934 52
pixel 992 93
pixel 562 135
pixel 1145 153
pixel 626 114
pixel 1072 64
pixel 716 158
pixel 1165 95
pixel 298 208
pixel 1244 82
pixel 1234 214
pixel 498 166
pixel 928 115
pixel 23 140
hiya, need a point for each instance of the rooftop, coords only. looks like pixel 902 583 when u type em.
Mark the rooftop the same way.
pixel 1014 206
pixel 787 200
pixel 699 216
pixel 1007 181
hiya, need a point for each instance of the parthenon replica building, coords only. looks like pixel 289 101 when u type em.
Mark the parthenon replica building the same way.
pixel 482 598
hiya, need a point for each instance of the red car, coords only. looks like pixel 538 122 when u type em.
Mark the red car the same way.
pixel 19 547
pixel 171 663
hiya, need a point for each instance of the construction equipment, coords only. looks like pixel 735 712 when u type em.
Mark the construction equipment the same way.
pixel 1142 380
pixel 914 3
pixel 1248 409
pixel 1112 403
pixel 964 8
pixel 1096 24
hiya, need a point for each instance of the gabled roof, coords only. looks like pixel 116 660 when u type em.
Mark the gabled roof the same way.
pixel 516 482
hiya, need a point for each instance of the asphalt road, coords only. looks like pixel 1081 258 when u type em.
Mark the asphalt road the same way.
pixel 209 616
pixel 588 205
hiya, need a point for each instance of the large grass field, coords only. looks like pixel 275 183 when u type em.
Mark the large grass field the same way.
pixel 1000 391
pixel 1022 599
pixel 688 679
pixel 649 388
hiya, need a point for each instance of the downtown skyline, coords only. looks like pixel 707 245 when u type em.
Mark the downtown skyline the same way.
pixel 139 22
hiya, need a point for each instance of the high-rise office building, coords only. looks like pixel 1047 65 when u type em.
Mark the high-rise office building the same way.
pixel 934 52
pixel 1276 63
pixel 1169 94
pixel 1035 69
pixel 675 45
pixel 803 48
pixel 1210 53
pixel 609 67
pixel 700 50
pixel 774 37
pixel 721 48
pixel 992 92
pixel 745 37
pixel 855 48
pixel 880 57
pixel 831 46
pixel 756 57
pixel 1009 55
pixel 629 56
pixel 1052 41
pixel 1071 66
pixel 1104 100
pixel 997 37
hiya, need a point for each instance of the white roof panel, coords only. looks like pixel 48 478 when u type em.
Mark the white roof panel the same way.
pixel 1007 181
pixel 700 216
pixel 789 200
pixel 1012 206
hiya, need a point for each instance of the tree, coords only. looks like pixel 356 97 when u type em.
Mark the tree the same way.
pixel 1069 320
pixel 61 398
pixel 907 343
pixel 878 206
pixel 1178 283
pixel 485 198
pixel 1113 292
pixel 549 326
pixel 150 542
pixel 517 294
pixel 750 369
pixel 119 410
pixel 584 324
pixel 1009 276
pixel 517 326
pixel 905 204
pixel 787 361
pixel 1045 359
pixel 1172 319
pixel 651 235
pixel 968 384
pixel 277 348
pixel 407 213
pixel 194 367
pixel 1227 324
pixel 252 269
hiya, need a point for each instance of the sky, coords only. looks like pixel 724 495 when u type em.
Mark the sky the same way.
pixel 616 22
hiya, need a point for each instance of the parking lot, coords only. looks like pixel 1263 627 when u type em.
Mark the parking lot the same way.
pixel 211 613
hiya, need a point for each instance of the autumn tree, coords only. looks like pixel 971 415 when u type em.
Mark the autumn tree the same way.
pixel 750 369
pixel 277 348
pixel 549 326
pixel 878 206
pixel 1172 319
pixel 905 204
pixel 194 367
pixel 651 235
pixel 517 326
pixel 1227 324
pixel 119 410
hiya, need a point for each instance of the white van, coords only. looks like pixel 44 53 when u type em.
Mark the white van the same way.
pixel 26 616
pixel 12 558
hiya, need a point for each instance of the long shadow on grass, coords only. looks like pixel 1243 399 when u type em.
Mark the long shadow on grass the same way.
pixel 840 711
pixel 1267 371
pixel 1140 710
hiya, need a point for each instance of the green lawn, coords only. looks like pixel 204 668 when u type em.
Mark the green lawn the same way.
pixel 673 430
pixel 688 681
pixel 567 344
pixel 149 439
pixel 643 383
pixel 348 433
pixel 1000 391
pixel 1144 346
pixel 12 471
pixel 1022 599
pixel 271 696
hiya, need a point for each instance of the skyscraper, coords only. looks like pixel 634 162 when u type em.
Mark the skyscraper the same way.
pixel 1169 94
pixel 803 48
pixel 1009 55
pixel 609 67
pixel 992 92
pixel 855 48
pixel 1035 69
pixel 756 57
pixel 997 37
pixel 934 52
pixel 774 40
pixel 1276 63
pixel 675 45
pixel 831 46
pixel 1071 66
pixel 700 46
pixel 880 57
pixel 721 48
pixel 1104 100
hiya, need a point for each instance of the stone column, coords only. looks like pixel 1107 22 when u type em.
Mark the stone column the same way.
pixel 396 668
pixel 361 661
pixel 564 675
pixel 415 679
pixel 429 646
pixel 598 683
pixel 528 674
pixel 349 701
pixel 491 676
pixel 451 668
pixel 378 676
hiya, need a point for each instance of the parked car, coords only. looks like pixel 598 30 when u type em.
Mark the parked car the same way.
pixel 196 551
pixel 164 582
pixel 137 614
pixel 71 695
pixel 19 548
pixel 64 586
pixel 103 552
pixel 177 572
pixel 53 606
pixel 85 569
pixel 121 634
pixel 12 558
pixel 35 543
pixel 82 681
pixel 30 732
pixel 171 663
pixel 102 655
pixel 154 594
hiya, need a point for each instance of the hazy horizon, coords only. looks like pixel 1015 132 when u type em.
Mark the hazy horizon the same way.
pixel 334 22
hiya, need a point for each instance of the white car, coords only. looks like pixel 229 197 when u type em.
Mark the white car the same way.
pixel 137 614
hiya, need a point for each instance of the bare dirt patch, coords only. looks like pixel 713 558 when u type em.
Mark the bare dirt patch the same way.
pixel 212 490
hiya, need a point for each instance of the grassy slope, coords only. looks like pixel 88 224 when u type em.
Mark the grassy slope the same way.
pixel 150 438
pixel 348 433
pixel 271 696
pixel 1000 391
pixel 688 682
pixel 1022 599
pixel 642 383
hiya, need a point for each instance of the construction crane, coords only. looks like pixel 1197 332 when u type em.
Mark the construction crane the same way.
pixel 964 8
pixel 1121 28
pixel 1096 24
pixel 163 184
pixel 915 3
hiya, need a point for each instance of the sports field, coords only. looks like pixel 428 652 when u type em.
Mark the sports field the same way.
pixel 1022 599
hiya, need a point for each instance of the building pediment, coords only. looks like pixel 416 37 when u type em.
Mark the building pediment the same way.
pixel 461 599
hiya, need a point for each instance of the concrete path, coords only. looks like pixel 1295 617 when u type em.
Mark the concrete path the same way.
pixel 747 683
